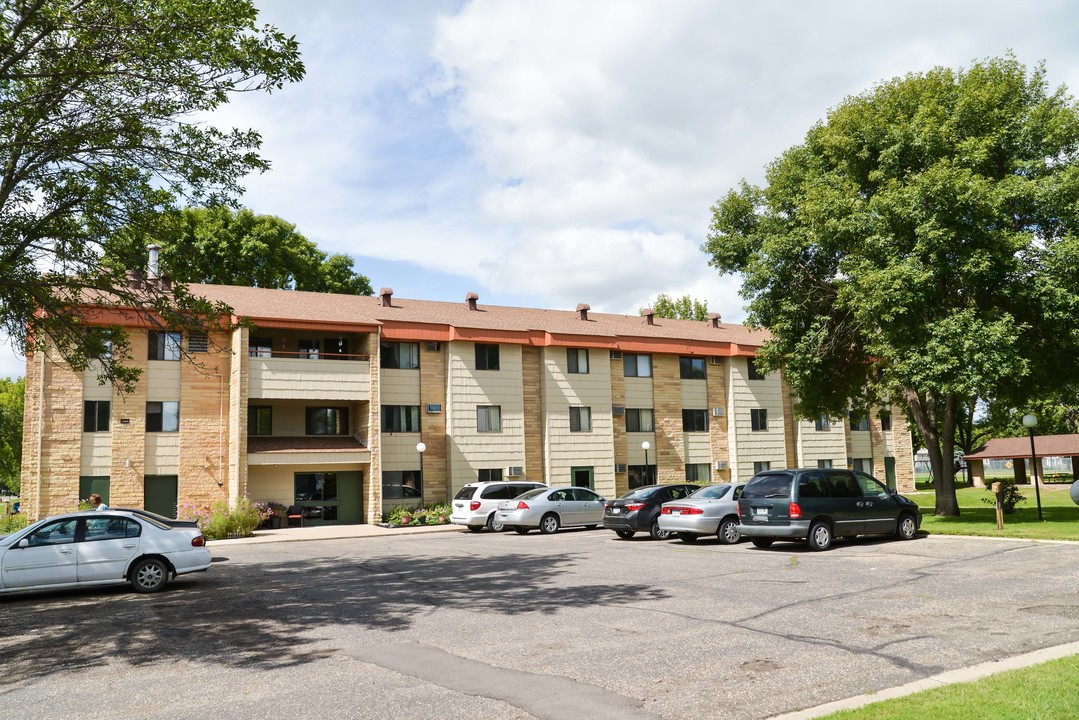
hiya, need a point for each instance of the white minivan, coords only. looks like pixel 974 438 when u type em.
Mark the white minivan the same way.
pixel 475 504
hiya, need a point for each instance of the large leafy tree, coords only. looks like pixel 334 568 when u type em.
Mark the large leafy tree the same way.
pixel 11 421
pixel 105 122
pixel 919 246
pixel 682 308
pixel 220 245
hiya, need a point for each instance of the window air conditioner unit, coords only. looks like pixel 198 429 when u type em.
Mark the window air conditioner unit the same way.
pixel 620 467
pixel 616 354
pixel 515 471
pixel 715 360
pixel 618 410
pixel 433 346
pixel 721 465
pixel 434 408
pixel 718 412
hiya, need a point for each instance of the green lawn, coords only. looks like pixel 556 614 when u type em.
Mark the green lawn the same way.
pixel 1060 515
pixel 1049 691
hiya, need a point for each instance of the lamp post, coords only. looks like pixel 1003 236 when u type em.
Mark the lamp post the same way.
pixel 1030 421
pixel 647 472
pixel 420 447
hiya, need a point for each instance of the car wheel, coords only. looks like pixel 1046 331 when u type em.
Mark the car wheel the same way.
pixel 657 533
pixel 549 524
pixel 906 528
pixel 149 575
pixel 820 536
pixel 624 534
pixel 493 524
pixel 762 542
pixel 521 530
pixel 474 528
pixel 728 532
pixel 687 537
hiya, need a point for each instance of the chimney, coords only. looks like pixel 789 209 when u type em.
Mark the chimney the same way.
pixel 387 296
pixel 165 283
pixel 714 319
pixel 152 268
pixel 649 316
pixel 471 299
pixel 134 279
pixel 582 310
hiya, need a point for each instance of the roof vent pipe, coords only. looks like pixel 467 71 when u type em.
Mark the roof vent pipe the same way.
pixel 649 316
pixel 471 299
pixel 387 296
pixel 582 310
pixel 152 265
pixel 714 319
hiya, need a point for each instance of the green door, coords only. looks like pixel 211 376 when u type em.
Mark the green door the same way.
pixel 90 484
pixel 159 494
pixel 349 489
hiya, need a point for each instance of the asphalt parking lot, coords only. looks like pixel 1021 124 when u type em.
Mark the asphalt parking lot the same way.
pixel 579 624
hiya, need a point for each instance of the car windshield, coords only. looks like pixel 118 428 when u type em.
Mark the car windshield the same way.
pixel 639 494
pixel 769 486
pixel 711 492
pixel 532 493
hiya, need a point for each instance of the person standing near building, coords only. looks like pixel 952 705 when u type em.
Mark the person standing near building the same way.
pixel 97 503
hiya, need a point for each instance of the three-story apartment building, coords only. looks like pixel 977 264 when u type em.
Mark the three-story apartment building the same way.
pixel 346 406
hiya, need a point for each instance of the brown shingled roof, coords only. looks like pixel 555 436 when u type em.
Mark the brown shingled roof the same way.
pixel 269 304
pixel 1044 446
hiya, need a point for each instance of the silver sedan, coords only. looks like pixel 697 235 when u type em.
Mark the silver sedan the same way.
pixel 552 508
pixel 712 510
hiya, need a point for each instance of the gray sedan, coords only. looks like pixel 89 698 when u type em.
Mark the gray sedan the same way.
pixel 712 510
pixel 551 508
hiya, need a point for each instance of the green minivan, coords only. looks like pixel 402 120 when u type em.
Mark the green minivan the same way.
pixel 820 504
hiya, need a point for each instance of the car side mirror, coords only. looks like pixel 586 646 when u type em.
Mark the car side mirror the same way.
pixel 23 543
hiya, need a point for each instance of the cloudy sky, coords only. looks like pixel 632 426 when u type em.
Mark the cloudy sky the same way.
pixel 566 151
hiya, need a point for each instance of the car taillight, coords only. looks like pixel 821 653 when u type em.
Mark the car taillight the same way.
pixel 474 505
pixel 522 505
pixel 692 511
pixel 795 511
pixel 199 541
pixel 634 506
pixel 740 508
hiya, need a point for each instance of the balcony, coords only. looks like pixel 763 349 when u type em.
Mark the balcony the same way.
pixel 277 450
pixel 302 375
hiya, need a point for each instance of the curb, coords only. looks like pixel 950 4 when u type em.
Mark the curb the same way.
pixel 349 532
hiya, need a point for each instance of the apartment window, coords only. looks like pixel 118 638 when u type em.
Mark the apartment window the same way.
pixel 490 475
pixel 859 420
pixel 577 360
pixel 637 365
pixel 326 421
pixel 198 342
pixel 399 356
pixel 824 422
pixel 486 357
pixel 885 420
pixel 260 347
pixel 761 465
pixel 95 416
pixel 260 420
pixel 163 345
pixel 758 418
pixel 400 418
pixel 691 368
pixel 402 485
pixel 699 472
pixel 824 464
pixel 489 418
pixel 863 464
pixel 309 349
pixel 580 419
pixel 640 475
pixel 163 416
pixel 754 373
pixel 639 420
pixel 694 421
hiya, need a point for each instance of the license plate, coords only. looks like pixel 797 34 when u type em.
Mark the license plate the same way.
pixel 760 511
pixel 615 511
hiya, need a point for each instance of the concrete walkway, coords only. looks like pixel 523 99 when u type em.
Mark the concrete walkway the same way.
pixel 971 674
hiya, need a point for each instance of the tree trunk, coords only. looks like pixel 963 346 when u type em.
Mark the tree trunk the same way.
pixel 939 435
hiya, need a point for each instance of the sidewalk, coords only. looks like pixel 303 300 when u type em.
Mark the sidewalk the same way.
pixel 332 532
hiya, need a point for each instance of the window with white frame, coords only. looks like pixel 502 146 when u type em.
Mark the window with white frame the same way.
pixel 400 418
pixel 577 360
pixel 694 421
pixel 163 416
pixel 489 418
pixel 691 368
pixel 163 345
pixel 639 420
pixel 758 418
pixel 399 355
pixel 637 365
pixel 580 419
pixel 761 465
pixel 486 357
pixel 823 422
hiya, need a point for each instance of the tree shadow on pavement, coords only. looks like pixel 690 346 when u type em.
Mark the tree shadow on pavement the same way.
pixel 262 616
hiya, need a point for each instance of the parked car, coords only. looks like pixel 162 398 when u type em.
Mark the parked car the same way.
pixel 712 510
pixel 638 510
pixel 552 508
pixel 104 547
pixel 476 504
pixel 820 504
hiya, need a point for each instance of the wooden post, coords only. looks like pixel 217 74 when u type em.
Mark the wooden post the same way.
pixel 997 488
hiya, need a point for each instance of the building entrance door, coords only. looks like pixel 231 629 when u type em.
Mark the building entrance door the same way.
pixel 159 494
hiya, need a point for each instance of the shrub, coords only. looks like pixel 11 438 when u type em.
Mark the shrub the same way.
pixel 11 523
pixel 1010 497
pixel 221 520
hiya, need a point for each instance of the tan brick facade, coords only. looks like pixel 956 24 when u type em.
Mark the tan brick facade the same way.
pixel 670 454
pixel 718 426
pixel 535 432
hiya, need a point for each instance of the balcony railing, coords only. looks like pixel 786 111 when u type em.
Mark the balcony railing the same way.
pixel 332 376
